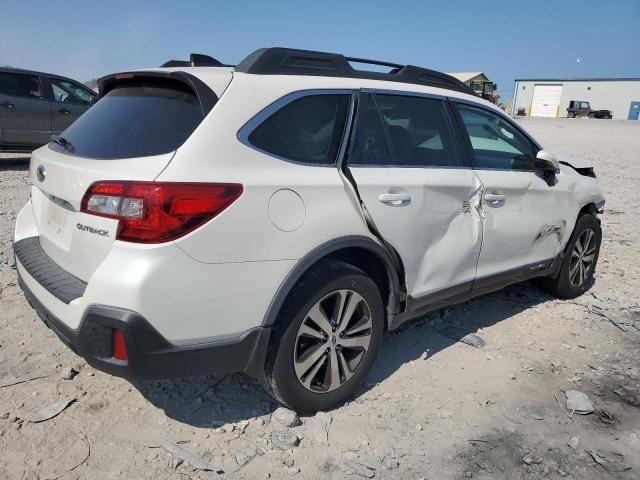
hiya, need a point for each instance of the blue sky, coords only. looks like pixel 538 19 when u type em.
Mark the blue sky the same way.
pixel 506 39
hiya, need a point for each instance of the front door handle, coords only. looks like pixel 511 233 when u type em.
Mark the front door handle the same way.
pixel 395 199
pixel 8 105
pixel 494 198
pixel 64 111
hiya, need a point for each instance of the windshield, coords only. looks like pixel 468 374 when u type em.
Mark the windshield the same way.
pixel 133 121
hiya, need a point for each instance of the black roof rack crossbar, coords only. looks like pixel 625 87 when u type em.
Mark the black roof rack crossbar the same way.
pixel 195 60
pixel 286 61
pixel 374 62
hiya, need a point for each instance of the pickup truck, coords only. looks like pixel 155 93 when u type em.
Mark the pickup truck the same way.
pixel 580 108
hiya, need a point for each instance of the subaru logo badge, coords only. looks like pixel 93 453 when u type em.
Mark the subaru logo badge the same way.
pixel 41 173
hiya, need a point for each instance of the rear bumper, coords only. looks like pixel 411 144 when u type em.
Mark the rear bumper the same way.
pixel 150 355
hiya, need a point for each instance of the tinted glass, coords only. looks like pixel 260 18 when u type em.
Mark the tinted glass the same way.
pixel 419 131
pixel 307 130
pixel 370 146
pixel 134 122
pixel 496 143
pixel 67 92
pixel 18 85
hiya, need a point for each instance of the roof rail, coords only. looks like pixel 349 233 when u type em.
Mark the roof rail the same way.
pixel 195 60
pixel 286 61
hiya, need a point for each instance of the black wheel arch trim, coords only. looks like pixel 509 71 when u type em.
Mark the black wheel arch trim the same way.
pixel 325 250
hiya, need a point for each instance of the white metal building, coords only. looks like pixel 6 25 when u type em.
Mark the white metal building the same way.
pixel 551 97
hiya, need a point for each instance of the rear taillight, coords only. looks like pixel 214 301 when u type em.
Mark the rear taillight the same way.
pixel 154 212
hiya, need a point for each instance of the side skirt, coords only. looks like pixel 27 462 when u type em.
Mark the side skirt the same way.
pixel 419 306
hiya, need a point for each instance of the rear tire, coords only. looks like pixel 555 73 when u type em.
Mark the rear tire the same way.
pixel 326 338
pixel 592 115
pixel 580 259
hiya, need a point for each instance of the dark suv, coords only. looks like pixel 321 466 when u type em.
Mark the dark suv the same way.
pixel 580 108
pixel 35 105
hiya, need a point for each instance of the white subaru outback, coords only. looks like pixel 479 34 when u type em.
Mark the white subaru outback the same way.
pixel 276 217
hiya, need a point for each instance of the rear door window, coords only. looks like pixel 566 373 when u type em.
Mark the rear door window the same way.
pixel 419 131
pixel 370 145
pixel 308 129
pixel 19 85
pixel 403 131
pixel 134 121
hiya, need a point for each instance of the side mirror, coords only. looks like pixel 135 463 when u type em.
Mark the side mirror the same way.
pixel 547 162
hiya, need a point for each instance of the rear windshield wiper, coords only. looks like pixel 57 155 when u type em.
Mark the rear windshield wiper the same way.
pixel 63 142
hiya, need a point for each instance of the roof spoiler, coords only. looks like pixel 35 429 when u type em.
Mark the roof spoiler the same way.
pixel 195 60
pixel 205 95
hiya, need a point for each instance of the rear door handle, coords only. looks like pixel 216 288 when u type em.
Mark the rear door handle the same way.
pixel 494 198
pixel 8 105
pixel 64 111
pixel 395 199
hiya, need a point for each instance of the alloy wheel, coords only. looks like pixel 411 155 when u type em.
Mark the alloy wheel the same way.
pixel 582 257
pixel 332 341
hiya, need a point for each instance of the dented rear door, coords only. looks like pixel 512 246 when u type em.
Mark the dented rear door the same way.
pixel 416 191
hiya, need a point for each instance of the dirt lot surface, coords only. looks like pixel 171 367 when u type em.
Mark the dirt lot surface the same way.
pixel 433 407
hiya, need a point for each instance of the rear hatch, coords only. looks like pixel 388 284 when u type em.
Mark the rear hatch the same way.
pixel 131 133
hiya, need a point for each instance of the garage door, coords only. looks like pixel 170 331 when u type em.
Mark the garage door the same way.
pixel 546 99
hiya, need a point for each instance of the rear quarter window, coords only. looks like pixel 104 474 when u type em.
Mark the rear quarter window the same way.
pixel 134 121
pixel 306 130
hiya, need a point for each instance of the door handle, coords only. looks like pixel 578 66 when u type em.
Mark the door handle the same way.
pixel 395 199
pixel 64 111
pixel 8 105
pixel 494 198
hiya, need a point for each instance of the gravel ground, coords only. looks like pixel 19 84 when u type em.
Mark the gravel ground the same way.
pixel 433 407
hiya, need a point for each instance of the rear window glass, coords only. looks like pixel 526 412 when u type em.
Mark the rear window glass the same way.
pixel 18 85
pixel 134 121
pixel 306 130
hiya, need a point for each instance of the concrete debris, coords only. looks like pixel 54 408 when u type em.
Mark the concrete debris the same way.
pixel 630 396
pixel 284 439
pixel 578 402
pixel 318 428
pixel 611 462
pixel 286 417
pixel 50 411
pixel 531 458
pixel 391 463
pixel 242 458
pixel 574 442
pixel 69 373
pixel 196 461
pixel 291 471
pixel 606 417
pixel 352 467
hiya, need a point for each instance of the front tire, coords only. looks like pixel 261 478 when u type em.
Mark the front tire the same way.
pixel 592 115
pixel 326 338
pixel 580 259
pixel 571 115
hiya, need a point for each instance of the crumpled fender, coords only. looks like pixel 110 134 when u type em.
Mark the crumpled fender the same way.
pixel 574 162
